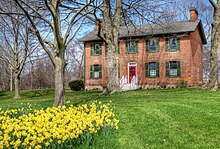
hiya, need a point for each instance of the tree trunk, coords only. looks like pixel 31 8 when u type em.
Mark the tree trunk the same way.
pixel 11 79
pixel 213 81
pixel 17 85
pixel 110 30
pixel 112 69
pixel 59 68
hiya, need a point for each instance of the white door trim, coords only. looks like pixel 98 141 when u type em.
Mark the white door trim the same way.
pixel 131 64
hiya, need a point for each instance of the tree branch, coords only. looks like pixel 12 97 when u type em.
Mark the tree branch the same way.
pixel 36 31
pixel 213 4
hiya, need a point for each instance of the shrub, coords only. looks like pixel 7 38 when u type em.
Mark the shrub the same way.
pixel 182 83
pixel 76 85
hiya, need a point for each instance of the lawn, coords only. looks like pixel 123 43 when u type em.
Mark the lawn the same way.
pixel 168 118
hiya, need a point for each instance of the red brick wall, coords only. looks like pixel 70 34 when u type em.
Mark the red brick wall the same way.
pixel 196 56
pixel 189 55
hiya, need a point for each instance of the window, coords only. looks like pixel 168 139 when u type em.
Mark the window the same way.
pixel 172 44
pixel 152 45
pixel 152 70
pixel 173 69
pixel 132 46
pixel 95 71
pixel 96 49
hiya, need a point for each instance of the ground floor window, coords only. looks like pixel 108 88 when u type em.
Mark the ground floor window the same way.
pixel 173 69
pixel 152 69
pixel 96 71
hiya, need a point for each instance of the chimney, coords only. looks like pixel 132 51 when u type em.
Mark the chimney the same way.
pixel 193 14
pixel 96 26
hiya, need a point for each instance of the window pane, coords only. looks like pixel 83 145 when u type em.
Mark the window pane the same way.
pixel 96 49
pixel 153 69
pixel 173 65
pixel 96 74
pixel 153 73
pixel 173 43
pixel 173 72
pixel 153 66
pixel 152 46
pixel 132 47
pixel 96 71
pixel 96 68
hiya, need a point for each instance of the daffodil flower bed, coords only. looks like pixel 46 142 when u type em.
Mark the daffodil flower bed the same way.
pixel 54 127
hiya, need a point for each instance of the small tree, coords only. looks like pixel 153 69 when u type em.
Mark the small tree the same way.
pixel 14 44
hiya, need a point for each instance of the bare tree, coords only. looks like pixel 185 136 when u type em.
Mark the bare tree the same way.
pixel 75 56
pixel 14 45
pixel 54 27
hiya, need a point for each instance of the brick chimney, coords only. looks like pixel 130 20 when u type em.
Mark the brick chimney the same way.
pixel 193 14
pixel 96 27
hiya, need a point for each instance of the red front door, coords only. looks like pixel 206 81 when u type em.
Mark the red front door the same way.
pixel 132 72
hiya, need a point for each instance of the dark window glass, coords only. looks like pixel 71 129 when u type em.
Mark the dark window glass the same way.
pixel 173 43
pixel 152 45
pixel 97 49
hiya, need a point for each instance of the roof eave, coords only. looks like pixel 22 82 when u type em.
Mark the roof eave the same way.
pixel 202 33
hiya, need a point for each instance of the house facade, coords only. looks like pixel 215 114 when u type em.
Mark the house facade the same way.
pixel 150 56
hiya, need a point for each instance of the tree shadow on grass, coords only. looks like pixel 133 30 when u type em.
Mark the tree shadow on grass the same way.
pixel 83 97
pixel 33 94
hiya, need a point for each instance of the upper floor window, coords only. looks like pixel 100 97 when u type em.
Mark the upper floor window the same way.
pixel 96 49
pixel 173 69
pixel 153 45
pixel 173 44
pixel 132 46
pixel 96 71
pixel 152 70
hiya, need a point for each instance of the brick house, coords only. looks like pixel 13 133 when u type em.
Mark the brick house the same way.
pixel 151 55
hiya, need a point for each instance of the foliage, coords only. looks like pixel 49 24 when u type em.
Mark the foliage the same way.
pixel 62 127
pixel 76 85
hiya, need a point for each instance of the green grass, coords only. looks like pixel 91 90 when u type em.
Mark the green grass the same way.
pixel 168 118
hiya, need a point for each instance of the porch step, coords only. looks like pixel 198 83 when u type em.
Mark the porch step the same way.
pixel 128 87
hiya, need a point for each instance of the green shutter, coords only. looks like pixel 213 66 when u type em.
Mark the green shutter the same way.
pixel 119 47
pixel 100 71
pixel 167 69
pixel 127 46
pixel 158 45
pixel 91 71
pixel 92 49
pixel 158 69
pixel 119 70
pixel 178 69
pixel 100 48
pixel 178 44
pixel 147 45
pixel 147 70
pixel 167 44
pixel 136 43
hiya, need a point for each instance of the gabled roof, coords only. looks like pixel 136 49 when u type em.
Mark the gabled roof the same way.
pixel 153 29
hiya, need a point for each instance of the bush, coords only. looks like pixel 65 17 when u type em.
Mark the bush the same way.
pixel 76 85
pixel 182 83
